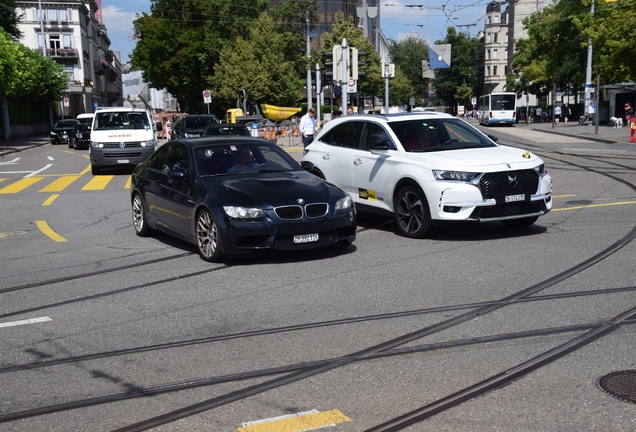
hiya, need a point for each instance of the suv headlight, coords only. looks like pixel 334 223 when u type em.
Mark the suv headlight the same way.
pixel 243 212
pixel 459 176
pixel 344 203
pixel 53 133
pixel 540 169
pixel 191 135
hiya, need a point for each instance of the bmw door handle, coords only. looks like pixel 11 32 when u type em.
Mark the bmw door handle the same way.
pixel 357 161
pixel 326 156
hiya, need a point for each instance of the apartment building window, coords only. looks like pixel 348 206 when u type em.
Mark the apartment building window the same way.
pixel 506 54
pixel 487 70
pixel 494 37
pixel 494 70
pixel 495 53
pixel 36 16
pixel 506 71
pixel 54 42
pixel 489 19
pixel 68 69
pixel 51 15
pixel 496 19
pixel 487 54
pixel 488 36
pixel 63 15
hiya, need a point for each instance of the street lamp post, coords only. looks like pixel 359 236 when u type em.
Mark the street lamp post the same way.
pixel 588 72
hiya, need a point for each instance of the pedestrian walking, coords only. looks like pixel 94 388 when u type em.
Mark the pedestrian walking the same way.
pixel 539 113
pixel 557 114
pixel 567 113
pixel 629 113
pixel 308 126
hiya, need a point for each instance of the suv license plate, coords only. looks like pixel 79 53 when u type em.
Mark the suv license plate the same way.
pixel 125 161
pixel 513 198
pixel 305 238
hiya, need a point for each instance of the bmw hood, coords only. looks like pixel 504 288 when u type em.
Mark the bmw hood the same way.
pixel 278 188
pixel 478 159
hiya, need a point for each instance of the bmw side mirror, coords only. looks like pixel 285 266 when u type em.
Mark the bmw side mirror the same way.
pixel 494 138
pixel 306 165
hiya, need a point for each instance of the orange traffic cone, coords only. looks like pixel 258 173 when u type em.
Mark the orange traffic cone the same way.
pixel 632 130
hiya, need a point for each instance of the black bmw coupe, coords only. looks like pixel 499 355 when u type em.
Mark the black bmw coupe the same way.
pixel 238 195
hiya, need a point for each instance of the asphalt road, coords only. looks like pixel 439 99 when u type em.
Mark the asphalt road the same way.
pixel 72 264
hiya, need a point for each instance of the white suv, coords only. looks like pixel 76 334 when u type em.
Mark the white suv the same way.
pixel 425 168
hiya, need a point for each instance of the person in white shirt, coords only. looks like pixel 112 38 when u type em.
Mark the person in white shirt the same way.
pixel 557 114
pixel 308 126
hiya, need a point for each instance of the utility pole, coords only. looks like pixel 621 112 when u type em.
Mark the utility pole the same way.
pixel 345 74
pixel 386 85
pixel 309 102
pixel 588 73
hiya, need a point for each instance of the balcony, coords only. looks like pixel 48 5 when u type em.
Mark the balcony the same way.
pixel 111 75
pixel 60 52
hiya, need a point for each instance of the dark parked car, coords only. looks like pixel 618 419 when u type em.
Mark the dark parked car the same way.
pixel 192 126
pixel 238 195
pixel 226 129
pixel 63 131
pixel 82 138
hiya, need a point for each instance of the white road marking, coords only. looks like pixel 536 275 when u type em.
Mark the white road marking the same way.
pixel 11 162
pixel 39 171
pixel 50 157
pixel 23 322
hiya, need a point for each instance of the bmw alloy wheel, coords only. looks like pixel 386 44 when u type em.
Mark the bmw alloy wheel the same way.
pixel 139 216
pixel 208 237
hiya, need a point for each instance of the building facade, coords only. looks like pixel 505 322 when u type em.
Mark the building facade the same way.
pixel 70 33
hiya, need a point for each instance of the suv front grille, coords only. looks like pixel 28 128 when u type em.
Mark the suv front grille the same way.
pixel 500 183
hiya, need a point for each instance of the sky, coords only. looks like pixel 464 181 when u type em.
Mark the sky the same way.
pixel 426 19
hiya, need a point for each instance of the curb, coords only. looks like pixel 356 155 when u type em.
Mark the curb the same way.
pixel 585 137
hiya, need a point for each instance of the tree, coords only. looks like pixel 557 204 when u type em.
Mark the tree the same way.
pixel 258 65
pixel 408 55
pixel 464 61
pixel 8 19
pixel 180 40
pixel 400 88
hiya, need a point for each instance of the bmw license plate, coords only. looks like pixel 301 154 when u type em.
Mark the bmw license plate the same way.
pixel 306 238
pixel 514 198
pixel 125 161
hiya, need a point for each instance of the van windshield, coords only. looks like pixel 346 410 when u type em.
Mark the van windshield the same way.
pixel 113 120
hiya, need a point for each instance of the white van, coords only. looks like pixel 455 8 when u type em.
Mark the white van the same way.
pixel 121 137
pixel 86 118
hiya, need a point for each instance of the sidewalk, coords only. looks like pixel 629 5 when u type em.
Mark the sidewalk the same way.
pixel 19 144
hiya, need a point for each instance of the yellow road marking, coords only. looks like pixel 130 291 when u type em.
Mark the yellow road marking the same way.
pixel 60 184
pixel 20 185
pixel 594 205
pixel 68 151
pixel 127 185
pixel 87 169
pixel 49 200
pixel 2 179
pixel 297 422
pixel 98 183
pixel 563 196
pixel 296 149
pixel 44 227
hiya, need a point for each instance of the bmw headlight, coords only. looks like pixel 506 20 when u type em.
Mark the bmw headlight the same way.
pixel 243 212
pixel 459 176
pixel 148 143
pixel 540 169
pixel 344 203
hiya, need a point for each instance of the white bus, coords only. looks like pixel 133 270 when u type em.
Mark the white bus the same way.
pixel 497 108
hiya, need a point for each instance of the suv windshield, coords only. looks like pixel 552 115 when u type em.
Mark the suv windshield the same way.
pixel 438 135
pixel 113 120
pixel 65 124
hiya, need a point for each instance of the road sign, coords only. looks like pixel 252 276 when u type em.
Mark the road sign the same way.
pixel 352 87
pixel 65 102
pixel 207 96
pixel 473 101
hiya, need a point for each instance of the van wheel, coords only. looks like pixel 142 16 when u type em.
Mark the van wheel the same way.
pixel 94 170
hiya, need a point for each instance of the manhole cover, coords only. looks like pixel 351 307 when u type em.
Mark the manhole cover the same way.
pixel 621 384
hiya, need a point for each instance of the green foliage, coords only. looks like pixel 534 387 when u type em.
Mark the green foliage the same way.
pixel 372 83
pixel 27 75
pixel 400 88
pixel 408 55
pixel 258 65
pixel 180 42
pixel 8 19
pixel 449 83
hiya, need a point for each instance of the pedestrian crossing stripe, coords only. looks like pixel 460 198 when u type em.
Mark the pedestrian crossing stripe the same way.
pixel 98 183
pixel 60 184
pixel 20 185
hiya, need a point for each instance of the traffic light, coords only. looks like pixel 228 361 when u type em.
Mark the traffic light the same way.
pixel 335 64
pixel 318 81
pixel 355 62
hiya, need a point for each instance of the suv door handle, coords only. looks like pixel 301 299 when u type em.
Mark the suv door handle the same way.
pixel 326 156
pixel 357 161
